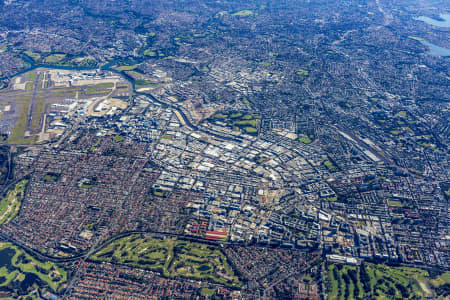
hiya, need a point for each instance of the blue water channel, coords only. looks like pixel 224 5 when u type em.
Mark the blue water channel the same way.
pixel 445 22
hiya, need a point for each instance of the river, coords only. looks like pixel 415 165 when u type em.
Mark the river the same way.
pixel 444 23
pixel 436 50
pixel 438 23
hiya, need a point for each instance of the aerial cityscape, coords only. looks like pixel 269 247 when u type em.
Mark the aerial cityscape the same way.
pixel 262 149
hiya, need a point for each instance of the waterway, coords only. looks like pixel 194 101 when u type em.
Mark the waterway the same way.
pixel 107 67
pixel 436 50
pixel 5 258
pixel 438 23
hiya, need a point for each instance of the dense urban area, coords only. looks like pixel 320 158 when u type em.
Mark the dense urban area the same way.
pixel 175 149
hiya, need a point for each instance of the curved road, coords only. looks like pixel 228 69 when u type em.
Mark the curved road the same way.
pixel 131 81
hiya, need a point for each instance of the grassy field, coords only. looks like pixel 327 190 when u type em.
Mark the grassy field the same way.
pixel 34 55
pixel 50 177
pixel 416 38
pixel 395 203
pixel 122 90
pixel 153 53
pixel 143 83
pixel 243 13
pixel 32 76
pixel 251 130
pixel 238 121
pixel 29 85
pixel 303 72
pixel 106 85
pixel 329 165
pixel 22 101
pixel 382 282
pixel 341 283
pixel 401 114
pixel 245 101
pixel 125 68
pixel 18 132
pixel 149 52
pixel 25 125
pixel 58 92
pixel 20 265
pixel 82 62
pixel 61 59
pixel 167 137
pixel 118 139
pixel 54 58
pixel 208 292
pixel 171 257
pixel 10 204
pixel 97 92
pixel 38 111
pixel 304 139
pixel 418 172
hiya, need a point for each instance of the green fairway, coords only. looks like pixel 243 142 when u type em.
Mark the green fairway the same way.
pixel 60 59
pixel 171 257
pixel 10 204
pixel 17 265
pixel 382 282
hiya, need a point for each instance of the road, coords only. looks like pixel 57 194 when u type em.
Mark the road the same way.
pixel 32 102
pixel 289 274
pixel 5 183
pixel 98 245
pixel 180 114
